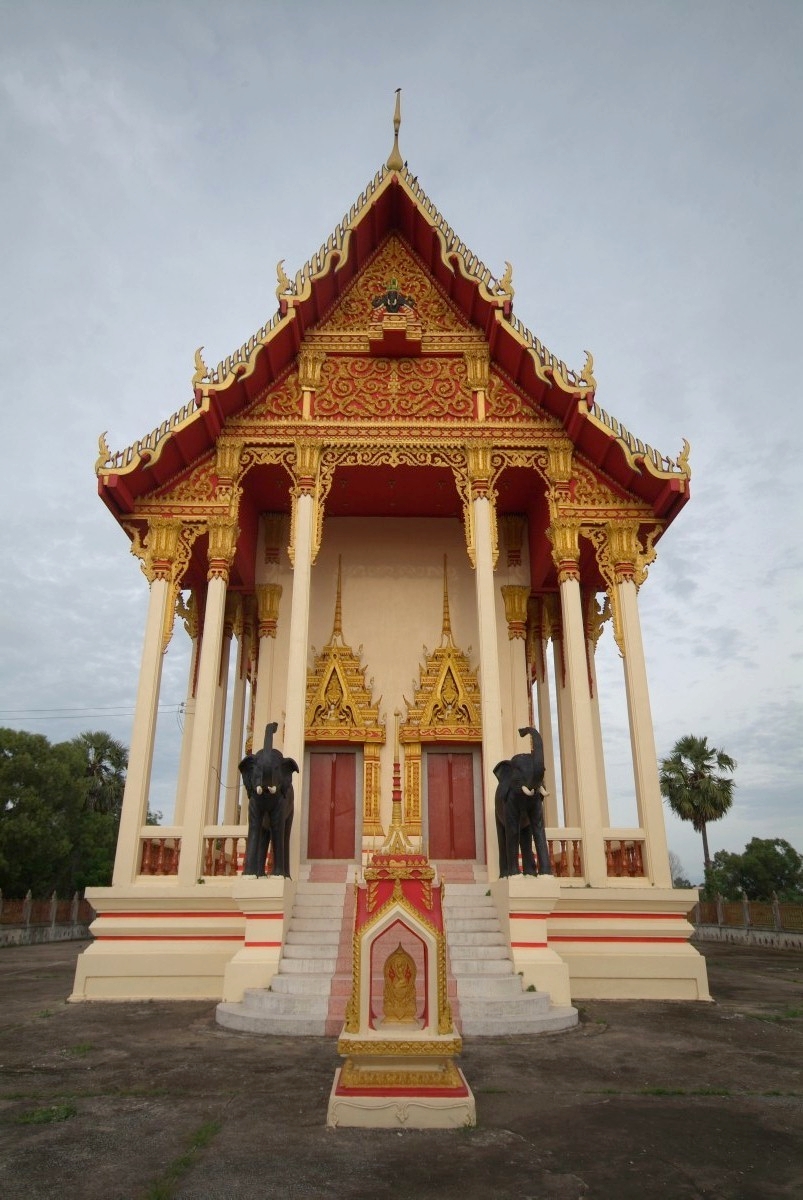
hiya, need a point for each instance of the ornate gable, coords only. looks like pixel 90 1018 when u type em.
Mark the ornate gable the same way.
pixel 361 306
pixel 339 703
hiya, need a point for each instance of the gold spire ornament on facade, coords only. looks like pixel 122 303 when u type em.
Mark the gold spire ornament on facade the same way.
pixel 201 369
pixel 395 161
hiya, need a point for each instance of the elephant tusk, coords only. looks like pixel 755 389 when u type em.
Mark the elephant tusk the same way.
pixel 259 791
pixel 272 791
pixel 528 791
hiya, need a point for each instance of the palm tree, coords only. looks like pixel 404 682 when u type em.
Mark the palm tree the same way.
pixel 691 785
pixel 106 763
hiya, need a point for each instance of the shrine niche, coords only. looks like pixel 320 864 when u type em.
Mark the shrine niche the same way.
pixel 445 710
pixel 340 711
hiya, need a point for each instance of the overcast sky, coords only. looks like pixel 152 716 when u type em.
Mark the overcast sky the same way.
pixel 639 163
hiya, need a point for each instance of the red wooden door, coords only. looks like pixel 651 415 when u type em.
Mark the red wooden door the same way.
pixel 332 804
pixel 450 805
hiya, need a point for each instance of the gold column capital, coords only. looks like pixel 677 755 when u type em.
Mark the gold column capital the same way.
pixel 227 460
pixel 564 535
pixel 478 362
pixel 306 467
pixel 310 365
pixel 268 596
pixel 513 536
pixel 559 463
pixel 223 534
pixel 515 598
pixel 161 549
pixel 478 461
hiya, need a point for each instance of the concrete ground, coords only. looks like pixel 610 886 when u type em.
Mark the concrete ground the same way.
pixel 151 1101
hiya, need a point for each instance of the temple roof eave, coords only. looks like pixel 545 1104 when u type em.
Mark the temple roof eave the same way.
pixel 393 200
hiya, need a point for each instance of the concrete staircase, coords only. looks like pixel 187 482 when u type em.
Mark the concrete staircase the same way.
pixel 490 996
pixel 308 995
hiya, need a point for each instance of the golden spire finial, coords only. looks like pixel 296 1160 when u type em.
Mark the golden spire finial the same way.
pixel 395 161
pixel 446 628
pixel 337 628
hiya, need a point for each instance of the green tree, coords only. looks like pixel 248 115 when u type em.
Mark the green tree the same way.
pixel 766 865
pixel 106 764
pixel 59 811
pixel 692 786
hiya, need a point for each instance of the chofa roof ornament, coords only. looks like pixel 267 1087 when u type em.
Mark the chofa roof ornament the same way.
pixel 395 161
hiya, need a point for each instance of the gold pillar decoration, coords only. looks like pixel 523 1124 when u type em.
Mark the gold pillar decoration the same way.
pixel 564 536
pixel 412 788
pixel 275 533
pixel 268 596
pixel 479 464
pixel 559 474
pixel 340 708
pixel 160 550
pixel 395 161
pixel 477 360
pixel 515 599
pixel 165 554
pixel 227 460
pixel 513 528
pixel 306 472
pixel 372 773
pixel 620 556
pixel 223 534
pixel 310 365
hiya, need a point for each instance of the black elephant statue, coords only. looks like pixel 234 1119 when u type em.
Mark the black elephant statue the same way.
pixel 268 779
pixel 519 807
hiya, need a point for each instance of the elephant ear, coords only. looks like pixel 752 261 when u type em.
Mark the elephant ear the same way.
pixel 246 764
pixel 502 769
pixel 291 764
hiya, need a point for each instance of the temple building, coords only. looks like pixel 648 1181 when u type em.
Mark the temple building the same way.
pixel 392 499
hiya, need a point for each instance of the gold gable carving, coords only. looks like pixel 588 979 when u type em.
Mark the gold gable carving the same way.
pixel 340 709
pixel 446 708
pixel 394 260
pixel 447 701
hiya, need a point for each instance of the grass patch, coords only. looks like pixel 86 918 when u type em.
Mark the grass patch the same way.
pixel 788 1014
pixel 45 1012
pixel 164 1188
pixel 43 1116
pixel 81 1050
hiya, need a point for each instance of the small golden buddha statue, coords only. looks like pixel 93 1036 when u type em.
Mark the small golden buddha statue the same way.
pixel 399 996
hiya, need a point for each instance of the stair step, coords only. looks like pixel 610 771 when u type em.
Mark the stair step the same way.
pixel 312 937
pixel 305 983
pixel 308 950
pixel 488 987
pixel 232 1016
pixel 298 966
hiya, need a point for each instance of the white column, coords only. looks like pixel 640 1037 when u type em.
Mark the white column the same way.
pixel 490 689
pixel 236 732
pixel 189 712
pixel 515 598
pixel 140 755
pixel 642 737
pixel 568 772
pixel 297 659
pixel 544 722
pixel 190 866
pixel 218 727
pixel 268 597
pixel 582 726
pixel 599 751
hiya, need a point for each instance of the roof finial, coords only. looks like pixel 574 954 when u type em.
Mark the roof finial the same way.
pixel 396 162
pixel 337 628
pixel 446 630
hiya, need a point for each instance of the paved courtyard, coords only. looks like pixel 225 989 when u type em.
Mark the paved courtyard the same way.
pixel 150 1101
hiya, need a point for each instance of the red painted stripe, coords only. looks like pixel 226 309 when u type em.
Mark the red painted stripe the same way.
pixel 529 945
pixel 169 937
pixel 598 937
pixel 249 943
pixel 265 916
